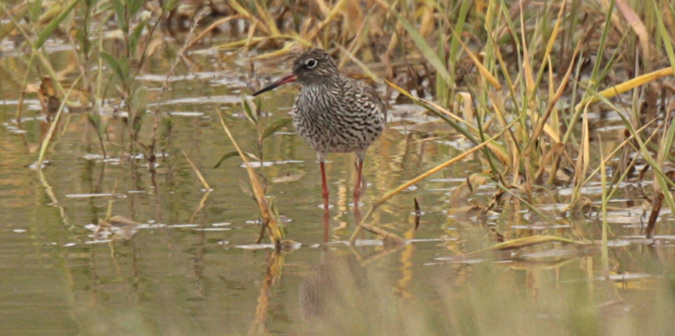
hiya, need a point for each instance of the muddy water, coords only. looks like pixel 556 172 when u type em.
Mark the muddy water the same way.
pixel 191 266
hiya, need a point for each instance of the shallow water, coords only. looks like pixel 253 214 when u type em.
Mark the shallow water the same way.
pixel 191 266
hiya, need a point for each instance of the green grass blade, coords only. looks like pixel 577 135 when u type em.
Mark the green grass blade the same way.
pixel 426 49
pixel 44 35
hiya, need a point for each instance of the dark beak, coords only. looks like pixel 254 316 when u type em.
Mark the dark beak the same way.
pixel 286 79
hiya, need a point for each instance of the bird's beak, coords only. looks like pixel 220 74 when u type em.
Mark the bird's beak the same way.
pixel 283 80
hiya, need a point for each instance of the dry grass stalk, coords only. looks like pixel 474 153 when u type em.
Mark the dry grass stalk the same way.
pixel 269 221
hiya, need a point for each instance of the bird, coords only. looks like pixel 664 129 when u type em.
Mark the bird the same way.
pixel 333 113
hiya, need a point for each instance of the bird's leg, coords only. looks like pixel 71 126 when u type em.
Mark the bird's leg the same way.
pixel 359 180
pixel 324 186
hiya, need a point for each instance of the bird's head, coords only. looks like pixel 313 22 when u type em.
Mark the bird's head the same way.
pixel 311 67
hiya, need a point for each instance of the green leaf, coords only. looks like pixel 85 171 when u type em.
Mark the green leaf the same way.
pixel 81 36
pixel 44 35
pixel 124 66
pixel 275 126
pixel 135 35
pixel 233 154
pixel 94 119
pixel 139 99
pixel 105 7
pixel 248 109
pixel 225 157
pixel 133 6
pixel 96 122
pixel 121 15
pixel 114 64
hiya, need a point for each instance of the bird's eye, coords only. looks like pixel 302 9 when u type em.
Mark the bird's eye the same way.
pixel 311 63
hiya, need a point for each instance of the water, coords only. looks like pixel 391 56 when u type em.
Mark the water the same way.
pixel 188 263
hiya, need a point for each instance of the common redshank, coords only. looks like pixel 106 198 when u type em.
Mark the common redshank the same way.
pixel 333 113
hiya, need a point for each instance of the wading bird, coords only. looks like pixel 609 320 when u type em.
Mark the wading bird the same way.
pixel 333 113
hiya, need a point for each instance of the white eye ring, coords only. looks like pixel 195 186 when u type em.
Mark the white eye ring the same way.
pixel 311 63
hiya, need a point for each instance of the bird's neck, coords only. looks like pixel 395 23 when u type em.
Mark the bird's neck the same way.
pixel 317 98
pixel 325 83
pixel 327 89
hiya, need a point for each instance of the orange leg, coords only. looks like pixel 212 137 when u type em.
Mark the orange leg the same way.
pixel 324 186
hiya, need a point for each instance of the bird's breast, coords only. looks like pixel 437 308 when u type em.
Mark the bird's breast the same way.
pixel 330 122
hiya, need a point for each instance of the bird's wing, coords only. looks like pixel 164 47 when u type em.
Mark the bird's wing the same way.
pixel 366 98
